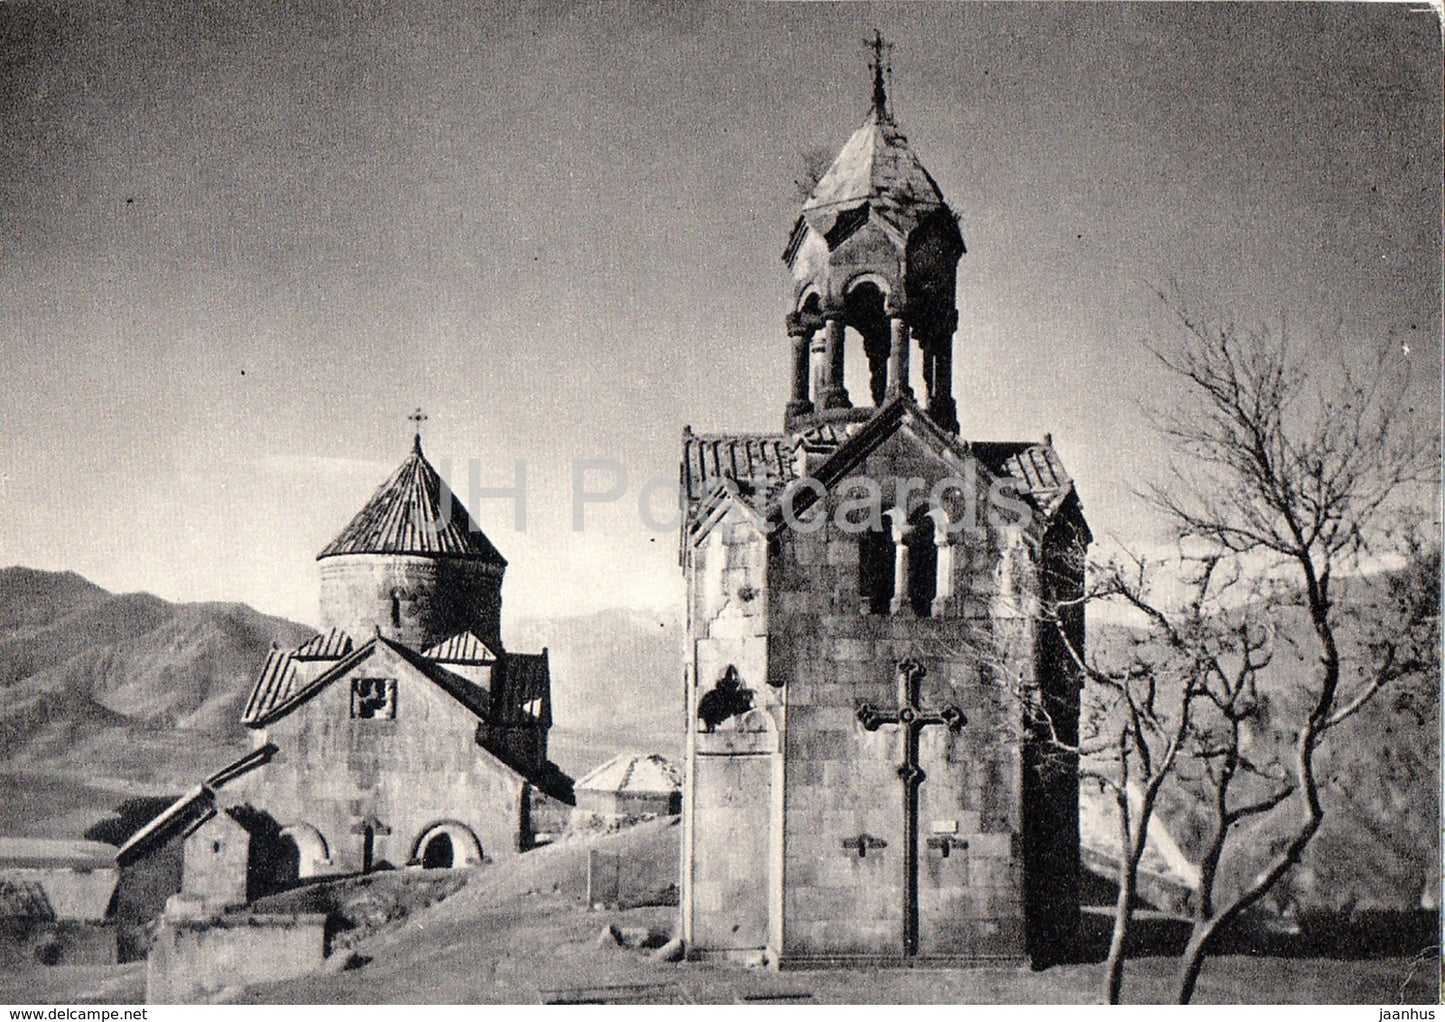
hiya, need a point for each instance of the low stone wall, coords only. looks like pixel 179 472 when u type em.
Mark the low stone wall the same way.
pixel 192 959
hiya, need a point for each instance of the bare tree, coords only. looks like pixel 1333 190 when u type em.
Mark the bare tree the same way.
pixel 813 164
pixel 1134 709
pixel 1296 484
pixel 1136 717
pixel 1281 486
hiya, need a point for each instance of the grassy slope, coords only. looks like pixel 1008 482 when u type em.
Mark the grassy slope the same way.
pixel 520 929
pixel 519 932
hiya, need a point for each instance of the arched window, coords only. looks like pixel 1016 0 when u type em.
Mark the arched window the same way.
pixel 865 314
pixel 446 845
pixel 875 569
pixel 437 852
pixel 922 563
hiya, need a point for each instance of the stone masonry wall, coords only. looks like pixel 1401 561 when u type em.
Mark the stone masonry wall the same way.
pixel 842 781
pixel 410 773
pixel 216 860
pixel 729 782
pixel 437 598
pixel 192 959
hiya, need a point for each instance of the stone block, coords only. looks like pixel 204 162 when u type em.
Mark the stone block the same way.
pixel 823 902
pixel 835 870
pixel 809 551
pixel 805 773
pixel 706 896
pixel 833 718
pixel 849 650
pixel 842 822
pixel 190 961
pixel 825 691
pixel 826 745
pixel 992 846
pixel 806 798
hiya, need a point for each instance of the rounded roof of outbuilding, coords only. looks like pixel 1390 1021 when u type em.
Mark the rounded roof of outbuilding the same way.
pixel 633 772
pixel 414 512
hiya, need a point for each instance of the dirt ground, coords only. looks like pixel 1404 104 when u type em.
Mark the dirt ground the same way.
pixel 520 932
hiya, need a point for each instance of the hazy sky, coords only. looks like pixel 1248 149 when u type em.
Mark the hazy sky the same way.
pixel 241 242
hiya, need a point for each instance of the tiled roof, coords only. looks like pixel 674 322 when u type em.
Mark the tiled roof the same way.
pixel 414 512
pixel 462 648
pixel 822 437
pixel 332 645
pixel 708 460
pixel 757 462
pixel 281 688
pixel 1037 468
pixel 277 683
pixel 473 697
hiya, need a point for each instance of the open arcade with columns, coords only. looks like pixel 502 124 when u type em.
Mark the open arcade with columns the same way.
pixel 877 704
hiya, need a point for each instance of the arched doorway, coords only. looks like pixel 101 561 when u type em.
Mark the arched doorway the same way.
pixel 305 846
pixel 437 852
pixel 447 845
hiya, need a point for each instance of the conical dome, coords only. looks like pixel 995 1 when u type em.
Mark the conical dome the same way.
pixel 875 166
pixel 413 565
pixel 414 512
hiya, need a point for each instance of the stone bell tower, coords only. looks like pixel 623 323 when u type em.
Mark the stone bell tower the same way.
pixel 875 249
pixel 879 712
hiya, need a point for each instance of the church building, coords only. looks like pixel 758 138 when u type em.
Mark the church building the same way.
pixel 403 733
pixel 880 702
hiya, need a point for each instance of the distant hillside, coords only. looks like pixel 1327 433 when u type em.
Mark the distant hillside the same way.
pixel 131 692
pixel 1379 773
pixel 616 680
pixel 128 685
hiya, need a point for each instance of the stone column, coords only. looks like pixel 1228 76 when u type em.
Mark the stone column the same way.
pixel 818 368
pixel 898 358
pixel 943 579
pixel 900 604
pixel 834 394
pixel 800 334
pixel 941 407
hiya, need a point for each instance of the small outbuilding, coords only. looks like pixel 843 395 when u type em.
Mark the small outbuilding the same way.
pixel 632 784
pixel 67 880
pixel 55 902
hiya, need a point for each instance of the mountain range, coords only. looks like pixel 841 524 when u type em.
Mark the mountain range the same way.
pixel 131 691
